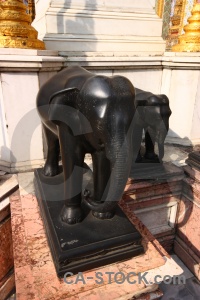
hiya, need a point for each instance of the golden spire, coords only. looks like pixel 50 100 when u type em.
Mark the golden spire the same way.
pixel 159 7
pixel 190 40
pixel 15 28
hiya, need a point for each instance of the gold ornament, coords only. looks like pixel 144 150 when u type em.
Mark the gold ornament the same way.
pixel 177 23
pixel 15 28
pixel 190 40
pixel 159 7
pixel 31 9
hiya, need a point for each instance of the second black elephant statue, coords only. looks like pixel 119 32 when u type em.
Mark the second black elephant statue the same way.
pixel 153 116
pixel 86 113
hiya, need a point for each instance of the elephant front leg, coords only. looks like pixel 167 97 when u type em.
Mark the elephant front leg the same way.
pixel 101 175
pixel 51 164
pixel 150 148
pixel 72 160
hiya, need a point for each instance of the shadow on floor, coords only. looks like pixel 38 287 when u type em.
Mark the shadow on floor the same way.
pixel 188 291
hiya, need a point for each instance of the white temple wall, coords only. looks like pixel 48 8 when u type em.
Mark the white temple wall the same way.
pixel 195 132
pixel 41 7
pixel 181 83
pixel 22 72
pixel 19 94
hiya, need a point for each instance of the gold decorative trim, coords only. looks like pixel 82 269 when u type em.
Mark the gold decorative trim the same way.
pixel 176 23
pixel 159 7
pixel 17 42
pixel 182 16
pixel 31 9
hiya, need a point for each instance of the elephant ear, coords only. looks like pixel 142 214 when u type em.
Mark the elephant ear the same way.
pixel 166 108
pixel 63 110
pixel 157 100
pixel 160 101
pixel 66 96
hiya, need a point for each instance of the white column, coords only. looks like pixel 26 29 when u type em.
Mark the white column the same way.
pixel 195 130
pixel 4 140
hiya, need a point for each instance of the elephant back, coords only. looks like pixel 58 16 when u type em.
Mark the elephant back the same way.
pixel 106 93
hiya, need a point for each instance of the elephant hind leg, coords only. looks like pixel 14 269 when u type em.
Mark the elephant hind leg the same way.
pixel 51 164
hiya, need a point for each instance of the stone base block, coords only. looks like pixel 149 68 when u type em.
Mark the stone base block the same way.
pixel 194 160
pixel 34 267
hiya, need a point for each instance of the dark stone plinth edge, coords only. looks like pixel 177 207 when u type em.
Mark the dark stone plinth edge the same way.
pixel 194 160
pixel 193 164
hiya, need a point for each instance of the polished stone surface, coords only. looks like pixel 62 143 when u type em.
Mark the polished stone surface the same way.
pixel 188 291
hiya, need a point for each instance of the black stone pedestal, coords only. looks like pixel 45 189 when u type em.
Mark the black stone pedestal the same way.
pixel 154 171
pixel 86 245
pixel 194 160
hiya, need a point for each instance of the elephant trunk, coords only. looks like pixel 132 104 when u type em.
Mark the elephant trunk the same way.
pixel 120 169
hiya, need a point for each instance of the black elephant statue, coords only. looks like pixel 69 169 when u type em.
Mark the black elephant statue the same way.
pixel 153 117
pixel 86 113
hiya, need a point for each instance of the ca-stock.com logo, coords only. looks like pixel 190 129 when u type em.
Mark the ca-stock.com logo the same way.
pixel 121 277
